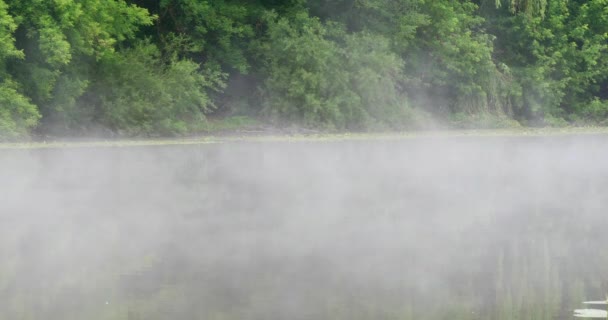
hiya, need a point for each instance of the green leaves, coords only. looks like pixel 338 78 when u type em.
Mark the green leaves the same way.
pixel 17 114
pixel 139 94
pixel 558 60
pixel 61 41
pixel 54 47
pixel 343 65
pixel 7 41
pixel 65 27
pixel 319 76
pixel 216 31
pixel 299 68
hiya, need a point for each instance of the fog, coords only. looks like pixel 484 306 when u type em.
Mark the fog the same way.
pixel 420 228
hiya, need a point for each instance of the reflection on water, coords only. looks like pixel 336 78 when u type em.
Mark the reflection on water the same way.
pixel 489 228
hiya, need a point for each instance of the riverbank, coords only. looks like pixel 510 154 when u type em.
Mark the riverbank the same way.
pixel 254 136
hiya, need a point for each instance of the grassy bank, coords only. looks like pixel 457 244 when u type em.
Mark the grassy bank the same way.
pixel 249 136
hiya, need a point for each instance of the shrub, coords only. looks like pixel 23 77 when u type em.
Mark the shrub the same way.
pixel 596 111
pixel 318 76
pixel 484 120
pixel 140 94
pixel 17 114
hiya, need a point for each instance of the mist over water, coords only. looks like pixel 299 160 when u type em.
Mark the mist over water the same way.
pixel 426 228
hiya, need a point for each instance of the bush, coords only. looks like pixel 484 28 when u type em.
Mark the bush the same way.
pixel 596 111
pixel 374 71
pixel 482 120
pixel 140 94
pixel 17 115
pixel 555 122
pixel 318 76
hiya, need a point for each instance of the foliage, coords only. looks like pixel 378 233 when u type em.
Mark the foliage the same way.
pixel 61 41
pixel 596 110
pixel 80 65
pixel 451 60
pixel 7 41
pixel 205 31
pixel 233 123
pixel 319 76
pixel 140 94
pixel 17 113
pixel 462 120
pixel 556 57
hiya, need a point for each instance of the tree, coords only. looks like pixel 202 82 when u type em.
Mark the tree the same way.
pixel 17 113
pixel 556 58
pixel 319 76
pixel 61 41
pixel 136 92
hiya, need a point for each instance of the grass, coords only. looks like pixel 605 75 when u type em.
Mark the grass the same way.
pixel 323 137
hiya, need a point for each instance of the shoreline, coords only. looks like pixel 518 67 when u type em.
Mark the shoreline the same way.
pixel 232 137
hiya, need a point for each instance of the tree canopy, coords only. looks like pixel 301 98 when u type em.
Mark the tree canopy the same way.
pixel 147 68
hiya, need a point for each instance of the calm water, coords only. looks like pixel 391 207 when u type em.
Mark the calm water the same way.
pixel 460 228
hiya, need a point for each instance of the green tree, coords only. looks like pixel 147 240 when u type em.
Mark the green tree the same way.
pixel 136 92
pixel 216 35
pixel 17 114
pixel 61 41
pixel 556 58
pixel 319 76
pixel 447 56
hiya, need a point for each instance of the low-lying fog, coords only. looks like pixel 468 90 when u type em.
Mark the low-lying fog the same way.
pixel 426 228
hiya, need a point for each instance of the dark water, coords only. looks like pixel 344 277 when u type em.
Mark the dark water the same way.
pixel 461 228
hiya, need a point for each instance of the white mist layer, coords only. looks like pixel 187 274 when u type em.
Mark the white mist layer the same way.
pixel 395 230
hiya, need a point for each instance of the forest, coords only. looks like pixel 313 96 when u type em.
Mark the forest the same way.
pixel 147 68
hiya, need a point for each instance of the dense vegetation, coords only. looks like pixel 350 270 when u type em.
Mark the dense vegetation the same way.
pixel 144 67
